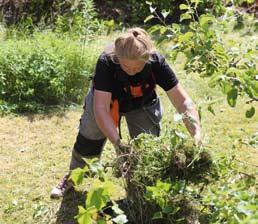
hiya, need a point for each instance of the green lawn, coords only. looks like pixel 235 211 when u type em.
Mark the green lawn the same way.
pixel 35 152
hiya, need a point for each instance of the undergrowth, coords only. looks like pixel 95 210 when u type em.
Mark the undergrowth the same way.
pixel 169 180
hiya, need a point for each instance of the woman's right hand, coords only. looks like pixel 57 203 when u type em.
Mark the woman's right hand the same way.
pixel 121 147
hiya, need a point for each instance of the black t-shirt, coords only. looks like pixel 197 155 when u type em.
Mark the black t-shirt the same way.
pixel 110 77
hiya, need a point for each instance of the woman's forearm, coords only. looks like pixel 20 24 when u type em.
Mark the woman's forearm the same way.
pixel 184 105
pixel 106 124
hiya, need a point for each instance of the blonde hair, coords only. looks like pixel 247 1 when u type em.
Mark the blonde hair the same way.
pixel 136 44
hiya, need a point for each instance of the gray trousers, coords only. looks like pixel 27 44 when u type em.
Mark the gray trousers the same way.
pixel 144 120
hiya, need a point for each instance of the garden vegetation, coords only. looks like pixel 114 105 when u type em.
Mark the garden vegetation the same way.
pixel 47 61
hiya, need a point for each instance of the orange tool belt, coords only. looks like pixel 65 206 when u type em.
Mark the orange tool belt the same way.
pixel 135 91
pixel 114 112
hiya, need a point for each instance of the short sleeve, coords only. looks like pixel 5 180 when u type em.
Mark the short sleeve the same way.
pixel 165 76
pixel 104 74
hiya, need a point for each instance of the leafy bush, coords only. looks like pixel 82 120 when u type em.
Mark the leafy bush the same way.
pixel 44 70
pixel 80 19
pixel 135 11
pixel 43 12
pixel 229 65
pixel 47 12
pixel 73 18
pixel 98 198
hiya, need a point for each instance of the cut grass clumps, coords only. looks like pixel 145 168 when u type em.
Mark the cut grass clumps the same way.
pixel 169 180
pixel 163 180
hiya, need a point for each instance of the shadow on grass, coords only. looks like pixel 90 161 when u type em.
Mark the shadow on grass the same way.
pixel 46 114
pixel 69 207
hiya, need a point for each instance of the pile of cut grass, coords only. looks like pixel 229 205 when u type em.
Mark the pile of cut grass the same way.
pixel 153 161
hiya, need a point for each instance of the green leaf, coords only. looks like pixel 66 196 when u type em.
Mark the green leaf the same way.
pixel 101 222
pixel 163 30
pixel 157 215
pixel 152 9
pixel 244 208
pixel 97 198
pixel 185 37
pixel 120 219
pixel 174 140
pixel 205 21
pixel 232 97
pixel 96 167
pixel 165 13
pixel 180 134
pixel 183 7
pixel 195 1
pixel 168 209
pixel 249 113
pixel 214 80
pixel 154 28
pixel 225 87
pixel 233 71
pixel 91 161
pixel 83 217
pixel 117 210
pixel 92 210
pixel 171 210
pixel 109 187
pixel 254 85
pixel 176 28
pixel 163 185
pixel 77 176
pixel 185 16
pixel 220 50
pixel 148 18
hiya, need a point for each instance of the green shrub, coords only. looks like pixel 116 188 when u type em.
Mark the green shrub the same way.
pixel 44 70
pixel 80 19
pixel 44 12
pixel 229 64
pixel 135 11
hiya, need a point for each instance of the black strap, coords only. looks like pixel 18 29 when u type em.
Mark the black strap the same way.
pixel 119 127
pixel 144 89
pixel 126 85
